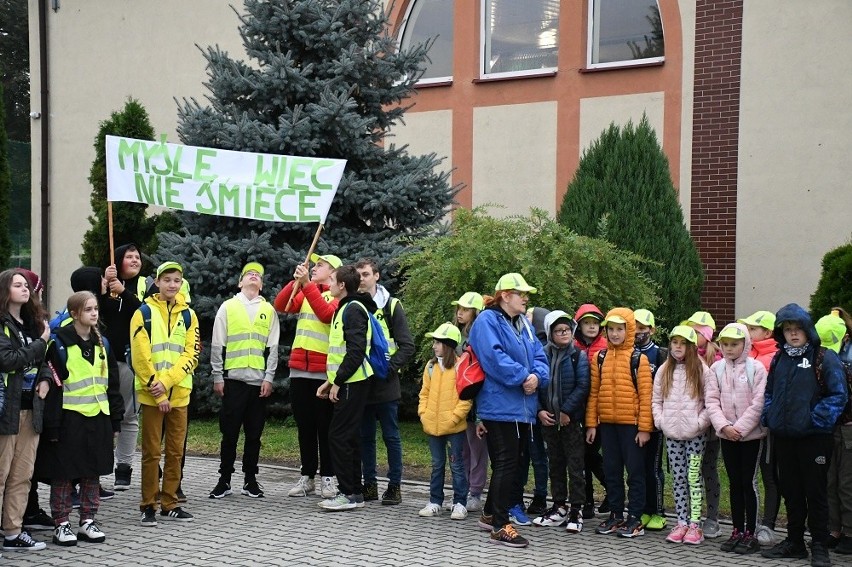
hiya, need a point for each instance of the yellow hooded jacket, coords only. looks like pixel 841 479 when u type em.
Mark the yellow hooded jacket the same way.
pixel 440 410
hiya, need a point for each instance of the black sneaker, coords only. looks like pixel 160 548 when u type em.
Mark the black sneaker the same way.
pixel 177 514
pixel 392 495
pixel 588 510
pixel 604 507
pixel 123 472
pixel 632 527
pixel 371 492
pixel 252 489
pixel 610 525
pixel 222 489
pixel 508 536
pixel 106 494
pixel 844 546
pixel 832 541
pixel 148 518
pixel 538 506
pixel 732 541
pixel 819 555
pixel 41 520
pixel 787 549
pixel 22 542
pixel 181 497
pixel 747 545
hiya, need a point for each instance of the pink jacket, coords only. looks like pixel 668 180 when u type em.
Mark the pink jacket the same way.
pixel 679 416
pixel 737 403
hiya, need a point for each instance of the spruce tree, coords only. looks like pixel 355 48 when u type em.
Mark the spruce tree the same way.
pixel 5 191
pixel 321 79
pixel 130 220
pixel 622 191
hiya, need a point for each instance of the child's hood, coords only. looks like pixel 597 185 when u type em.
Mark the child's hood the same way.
pixel 586 309
pixel 796 313
pixel 630 327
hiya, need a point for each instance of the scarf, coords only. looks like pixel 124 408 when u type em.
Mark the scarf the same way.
pixel 795 352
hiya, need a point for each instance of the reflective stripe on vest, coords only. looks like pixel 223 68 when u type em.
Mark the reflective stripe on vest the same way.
pixel 311 333
pixel 85 390
pixel 246 342
pixel 380 317
pixel 337 348
pixel 166 346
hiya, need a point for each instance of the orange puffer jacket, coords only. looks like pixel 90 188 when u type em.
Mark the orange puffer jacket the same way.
pixel 613 398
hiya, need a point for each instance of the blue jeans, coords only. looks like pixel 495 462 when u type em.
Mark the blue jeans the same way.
pixel 386 414
pixel 438 448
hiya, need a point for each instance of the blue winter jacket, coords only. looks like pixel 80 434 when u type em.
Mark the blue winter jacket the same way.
pixel 508 352
pixel 574 382
pixel 794 403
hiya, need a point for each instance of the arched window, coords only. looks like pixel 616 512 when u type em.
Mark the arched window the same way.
pixel 624 32
pixel 427 19
pixel 519 36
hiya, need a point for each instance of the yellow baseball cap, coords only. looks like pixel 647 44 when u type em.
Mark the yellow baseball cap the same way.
pixel 831 330
pixel 644 317
pixel 331 259
pixel 765 319
pixel 252 267
pixel 167 266
pixel 702 318
pixel 615 319
pixel 470 300
pixel 685 332
pixel 732 331
pixel 446 331
pixel 513 282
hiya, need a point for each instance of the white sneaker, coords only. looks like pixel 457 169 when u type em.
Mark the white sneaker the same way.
pixel 62 535
pixel 329 487
pixel 474 503
pixel 304 487
pixel 575 522
pixel 339 502
pixel 556 516
pixel 459 511
pixel 430 510
pixel 765 535
pixel 91 532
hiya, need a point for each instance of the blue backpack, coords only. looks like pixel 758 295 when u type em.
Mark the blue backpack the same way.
pixel 378 352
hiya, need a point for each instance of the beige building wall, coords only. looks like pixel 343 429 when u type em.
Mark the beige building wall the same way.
pixel 596 114
pixel 687 28
pixel 425 133
pixel 514 158
pixel 795 137
pixel 101 52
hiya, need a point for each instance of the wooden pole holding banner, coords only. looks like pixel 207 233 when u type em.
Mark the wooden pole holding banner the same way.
pixel 111 242
pixel 298 284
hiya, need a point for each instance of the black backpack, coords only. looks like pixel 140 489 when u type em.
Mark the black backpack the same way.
pixel 634 365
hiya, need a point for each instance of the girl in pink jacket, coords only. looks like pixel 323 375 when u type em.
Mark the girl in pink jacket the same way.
pixel 734 397
pixel 678 407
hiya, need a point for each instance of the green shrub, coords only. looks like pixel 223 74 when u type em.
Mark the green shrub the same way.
pixel 835 283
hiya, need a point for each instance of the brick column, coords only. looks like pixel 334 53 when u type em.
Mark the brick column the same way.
pixel 715 147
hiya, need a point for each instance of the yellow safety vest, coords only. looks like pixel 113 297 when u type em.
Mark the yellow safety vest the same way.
pixel 337 348
pixel 246 343
pixel 142 285
pixel 85 390
pixel 311 333
pixel 166 347
pixel 380 317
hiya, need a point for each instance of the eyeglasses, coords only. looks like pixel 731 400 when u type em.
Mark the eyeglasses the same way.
pixel 519 293
pixel 564 331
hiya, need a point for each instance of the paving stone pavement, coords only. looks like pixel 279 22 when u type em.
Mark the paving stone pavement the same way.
pixel 278 530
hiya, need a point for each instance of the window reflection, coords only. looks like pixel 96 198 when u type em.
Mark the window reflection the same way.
pixel 520 35
pixel 427 19
pixel 625 31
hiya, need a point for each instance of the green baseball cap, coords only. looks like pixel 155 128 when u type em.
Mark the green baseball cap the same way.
pixel 447 332
pixel 252 267
pixel 615 319
pixel 702 318
pixel 685 332
pixel 513 282
pixel 168 266
pixel 765 319
pixel 733 331
pixel 470 300
pixel 331 259
pixel 644 317
pixel 831 330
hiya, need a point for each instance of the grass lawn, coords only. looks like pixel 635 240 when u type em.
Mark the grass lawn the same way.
pixel 281 446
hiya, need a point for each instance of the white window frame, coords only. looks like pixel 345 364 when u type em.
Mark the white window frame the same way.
pixel 402 27
pixel 484 55
pixel 594 15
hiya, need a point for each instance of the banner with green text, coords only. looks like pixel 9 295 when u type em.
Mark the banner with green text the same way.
pixel 263 187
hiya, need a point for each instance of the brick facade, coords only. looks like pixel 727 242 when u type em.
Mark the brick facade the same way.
pixel 716 111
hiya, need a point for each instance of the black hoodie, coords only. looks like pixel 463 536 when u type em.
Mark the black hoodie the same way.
pixel 116 313
pixel 355 324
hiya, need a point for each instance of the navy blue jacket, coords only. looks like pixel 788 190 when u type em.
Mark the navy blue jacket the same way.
pixel 794 403
pixel 573 384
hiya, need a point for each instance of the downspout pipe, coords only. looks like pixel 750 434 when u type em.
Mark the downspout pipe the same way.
pixel 45 146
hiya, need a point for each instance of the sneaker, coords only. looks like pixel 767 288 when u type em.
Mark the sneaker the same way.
pixel 508 537
pixel 181 497
pixel 819 555
pixel 328 487
pixel 632 527
pixel 538 506
pixel 655 522
pixel 392 495
pixel 22 542
pixel 485 521
pixel 106 494
pixel 588 511
pixel 371 492
pixel 459 512
pixel 474 503
pixel 177 514
pixel 123 472
pixel 604 507
pixel 430 510
pixel 677 534
pixel 645 518
pixel 557 516
pixel 610 525
pixel 90 531
pixel 518 517
pixel 694 535
pixel 359 500
pixel 41 520
pixel 64 536
pixel 339 502
pixel 304 486
pixel 747 545
pixel 222 489
pixel 575 522
pixel 710 528
pixel 148 518
pixel 787 549
pixel 844 546
pixel 732 541
pixel 765 535
pixel 832 541
pixel 252 489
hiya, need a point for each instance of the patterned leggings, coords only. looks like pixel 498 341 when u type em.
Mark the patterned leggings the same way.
pixel 687 483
